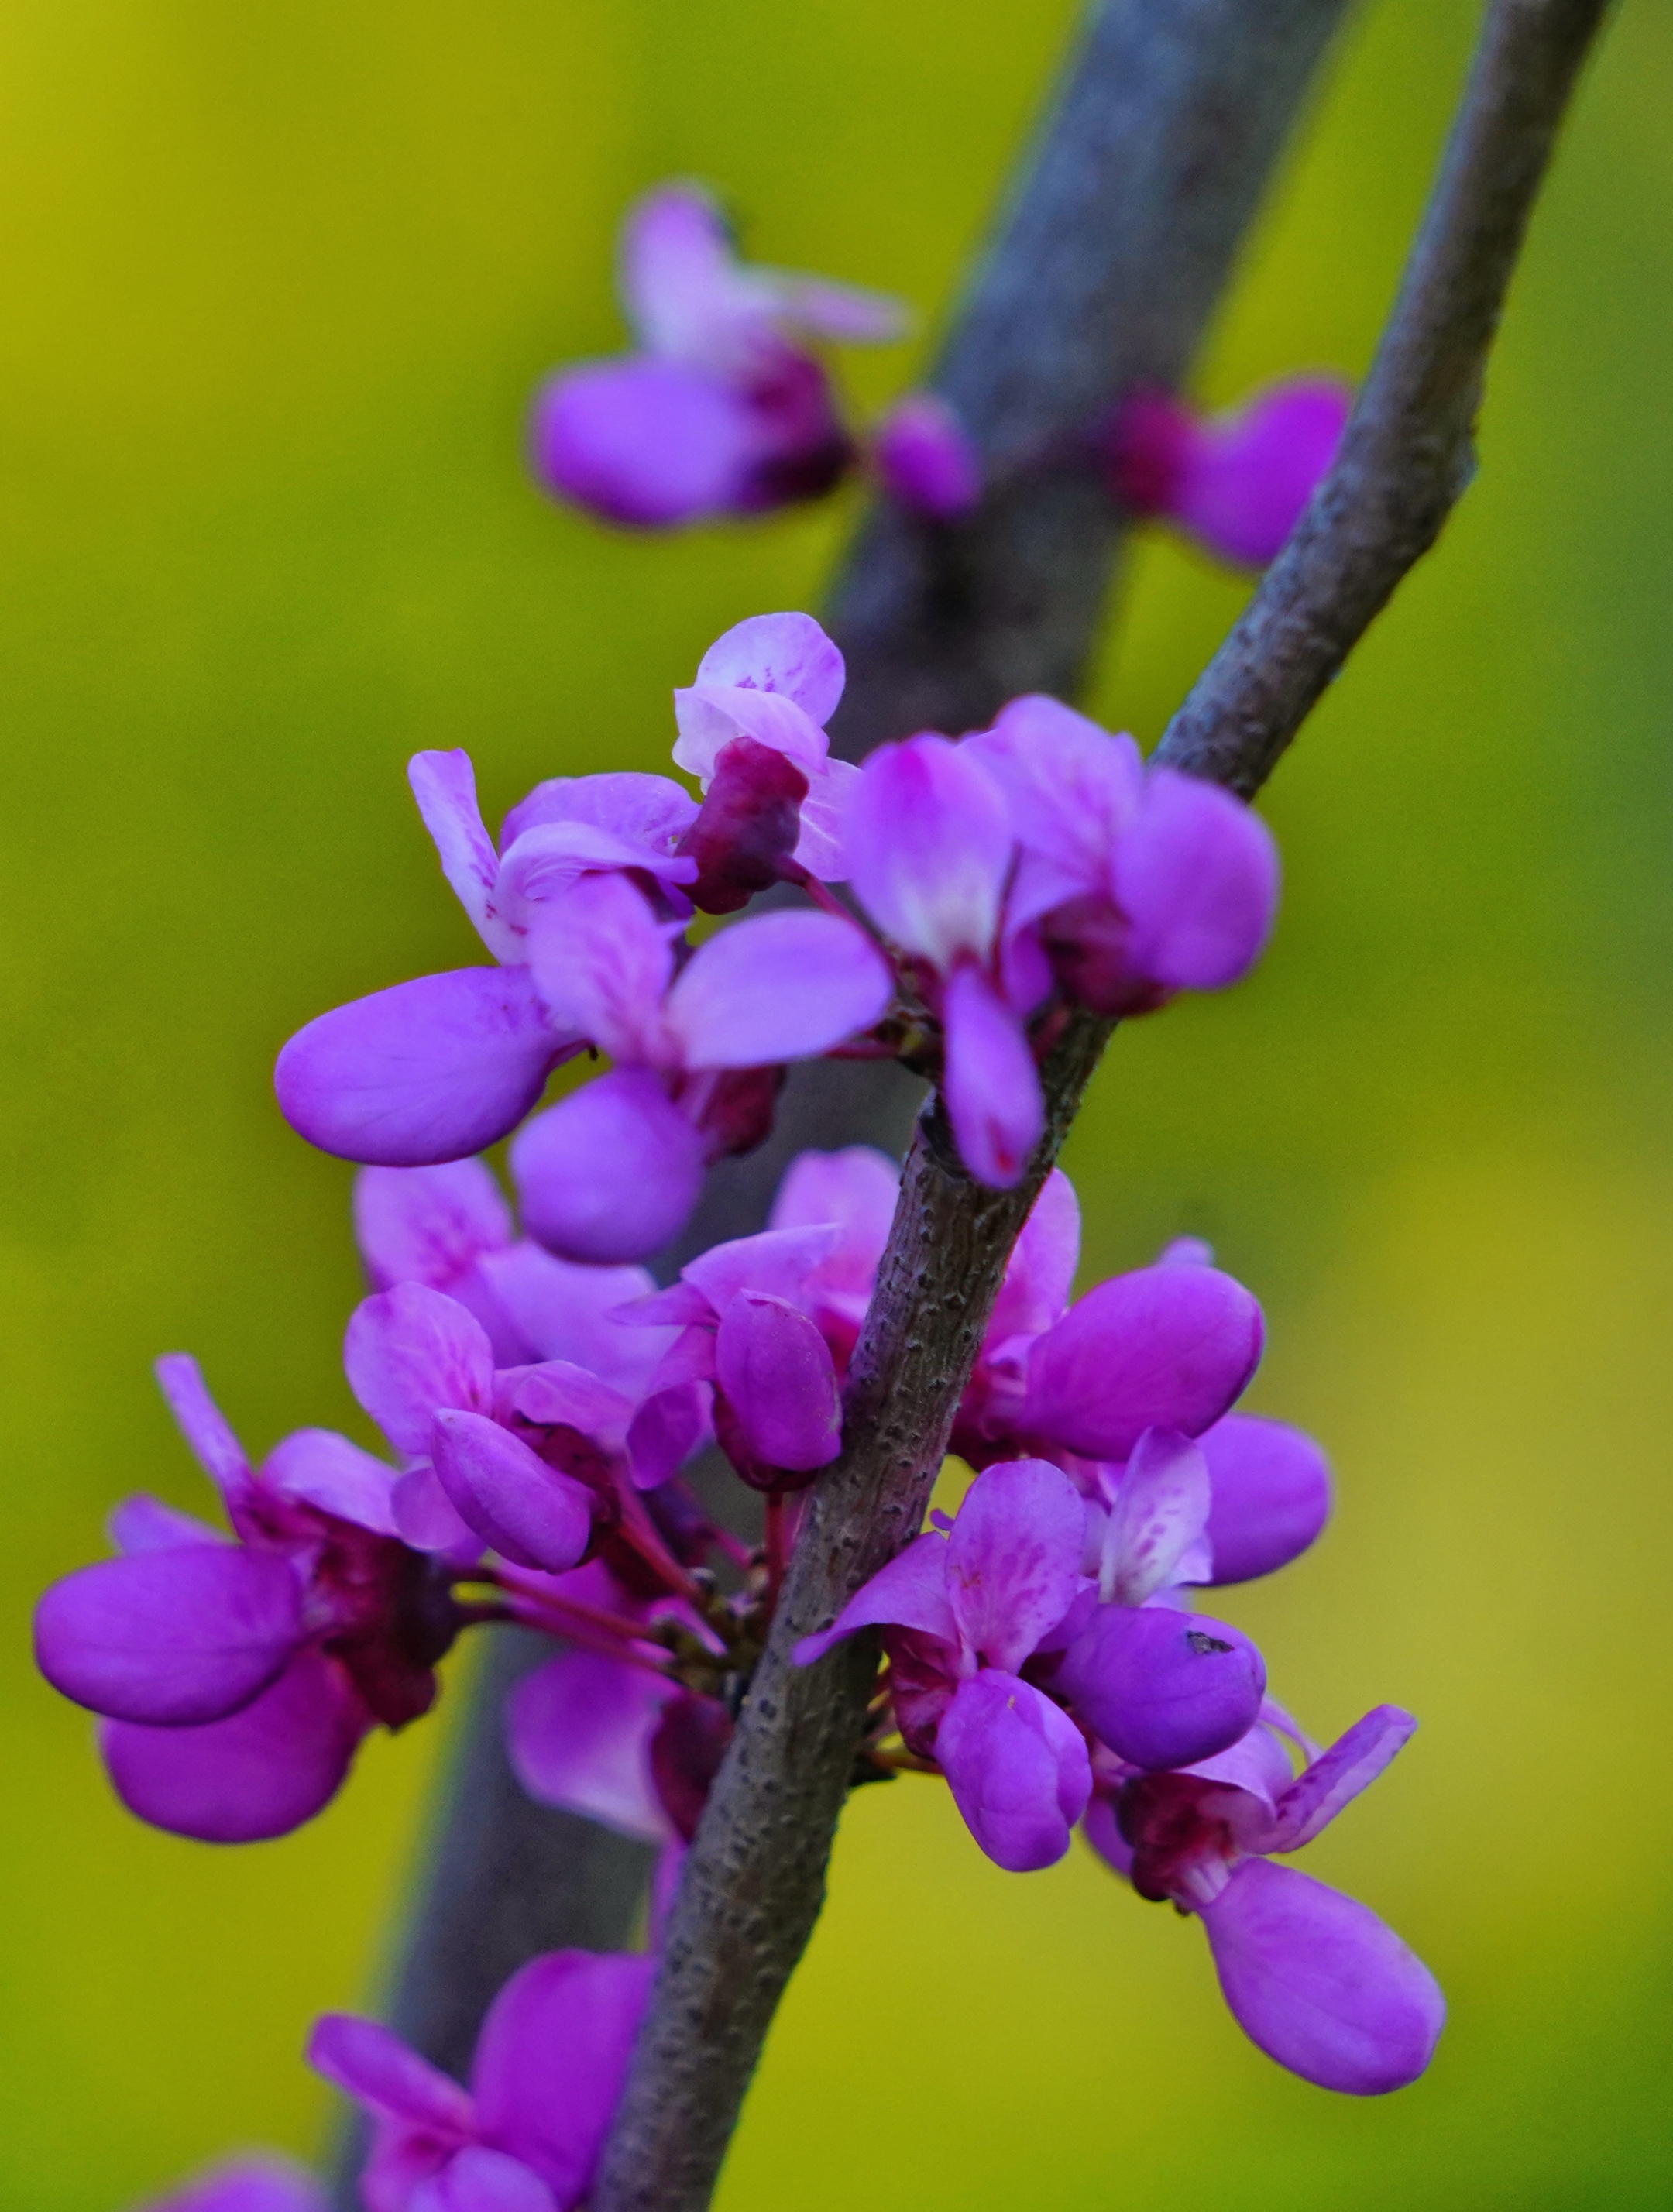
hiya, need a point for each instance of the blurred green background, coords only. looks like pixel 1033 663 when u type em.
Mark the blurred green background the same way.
pixel 278 283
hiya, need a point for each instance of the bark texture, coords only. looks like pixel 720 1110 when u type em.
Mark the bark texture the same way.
pixel 754 1880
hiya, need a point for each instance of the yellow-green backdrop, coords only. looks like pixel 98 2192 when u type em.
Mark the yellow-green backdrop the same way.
pixel 276 283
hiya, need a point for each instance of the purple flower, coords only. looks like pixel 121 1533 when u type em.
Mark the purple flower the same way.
pixel 745 1313
pixel 852 1191
pixel 770 684
pixel 443 1066
pixel 525 2137
pixel 929 846
pixel 974 1606
pixel 262 2182
pixel 236 1679
pixel 1236 482
pixel 612 1171
pixel 1135 884
pixel 722 410
pixel 1311 1977
pixel 926 459
pixel 448 1228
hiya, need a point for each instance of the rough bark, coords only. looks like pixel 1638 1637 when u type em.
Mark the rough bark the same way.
pixel 754 1880
pixel 1102 273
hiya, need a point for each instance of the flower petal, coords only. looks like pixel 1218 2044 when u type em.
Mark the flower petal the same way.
pixel 1158 1513
pixel 1162 1688
pixel 1163 1347
pixel 146 1524
pixel 1016 1767
pixel 425 1519
pixel 319 1468
pixel 205 1426
pixel 776 1371
pixel 1069 788
pixel 370 2063
pixel 1196 873
pixel 428 1225
pixel 1040 1272
pixel 409 1351
pixel 928 845
pixel 601 961
pixel 1245 477
pixel 174 1638
pixel 788 654
pixel 779 987
pixel 1271 1486
pixel 991 1086
pixel 1013 1557
pixel 1337 1777
pixel 475 2179
pixel 259 1774
pixel 910 1592
pixel 265 2183
pixel 529 1511
pixel 676 272
pixel 577 1731
pixel 611 1172
pixel 651 444
pixel 551 2060
pixel 431 1070
pixel 445 785
pixel 926 459
pixel 1317 1981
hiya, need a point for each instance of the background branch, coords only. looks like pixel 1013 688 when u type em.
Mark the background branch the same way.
pixel 754 1879
pixel 1105 268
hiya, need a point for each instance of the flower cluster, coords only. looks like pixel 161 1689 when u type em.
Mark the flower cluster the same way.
pixel 724 411
pixel 952 902
pixel 1045 1654
pixel 995 882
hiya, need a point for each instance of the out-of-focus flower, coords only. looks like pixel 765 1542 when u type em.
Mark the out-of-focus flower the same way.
pixel 260 2182
pixel 722 410
pixel 1235 482
pixel 926 459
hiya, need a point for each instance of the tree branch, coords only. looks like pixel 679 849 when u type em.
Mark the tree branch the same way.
pixel 1410 449
pixel 1102 273
pixel 754 1879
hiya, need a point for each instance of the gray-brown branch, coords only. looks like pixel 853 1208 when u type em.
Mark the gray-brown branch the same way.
pixel 1410 449
pixel 754 1880
pixel 1102 274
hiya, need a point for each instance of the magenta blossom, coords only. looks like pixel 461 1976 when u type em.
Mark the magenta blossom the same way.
pixel 1169 1347
pixel 525 2136
pixel 448 1227
pixel 612 1172
pixel 722 410
pixel 926 458
pixel 262 2182
pixel 963 1613
pixel 745 1310
pixel 1136 884
pixel 537 1462
pixel 930 849
pixel 852 1191
pixel 768 687
pixel 1311 1977
pixel 1237 483
pixel 237 1679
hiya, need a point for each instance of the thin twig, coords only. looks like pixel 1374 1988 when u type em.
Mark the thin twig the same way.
pixel 1410 451
pixel 754 1879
